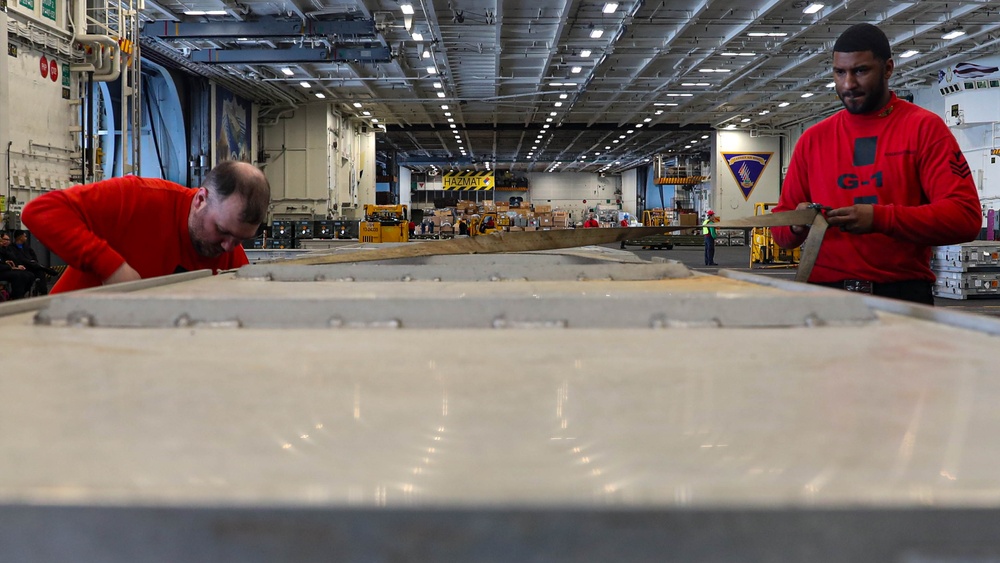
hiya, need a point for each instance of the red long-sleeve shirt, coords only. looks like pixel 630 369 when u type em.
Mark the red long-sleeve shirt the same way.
pixel 904 161
pixel 97 227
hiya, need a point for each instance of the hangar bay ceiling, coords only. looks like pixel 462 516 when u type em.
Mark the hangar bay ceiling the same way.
pixel 553 85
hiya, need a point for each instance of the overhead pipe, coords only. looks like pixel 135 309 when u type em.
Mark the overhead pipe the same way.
pixel 108 65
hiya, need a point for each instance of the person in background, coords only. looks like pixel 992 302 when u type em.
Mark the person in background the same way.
pixel 130 228
pixel 19 278
pixel 591 222
pixel 893 174
pixel 412 227
pixel 710 235
pixel 463 227
pixel 23 256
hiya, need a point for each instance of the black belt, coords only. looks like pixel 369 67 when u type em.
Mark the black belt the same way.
pixel 911 290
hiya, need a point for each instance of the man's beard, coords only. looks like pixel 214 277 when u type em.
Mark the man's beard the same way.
pixel 203 248
pixel 872 99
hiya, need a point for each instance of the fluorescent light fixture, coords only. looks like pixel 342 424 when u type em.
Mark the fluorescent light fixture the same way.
pixel 731 126
pixel 576 69
pixel 953 34
pixel 639 125
pixel 813 8
pixel 908 54
pixel 357 104
pixel 784 104
pixel 647 120
pixel 305 84
pixel 374 120
pixel 432 70
pixel 807 95
pixel 451 120
pixel 440 94
pixel 721 70
pixel 427 54
pixel 444 107
pixel 764 112
pixel 555 84
pixel 417 36
pixel 437 85
pixel 658 112
pixel 563 96
pixel 745 120
pixel 366 113
pixel 552 113
pixel 610 7
pixel 406 8
pixel 739 54
pixel 548 120
pixel 585 53
pixel 768 34
pixel 447 114
pixel 205 13
pixel 453 126
pixel 596 33
pixel 558 104
pixel 704 136
pixel 831 84
pixel 287 71
pixel 320 95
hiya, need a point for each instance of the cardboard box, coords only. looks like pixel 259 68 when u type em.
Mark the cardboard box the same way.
pixel 688 219
pixel 545 221
pixel 539 208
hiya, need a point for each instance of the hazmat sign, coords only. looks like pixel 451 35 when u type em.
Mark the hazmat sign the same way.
pixel 467 181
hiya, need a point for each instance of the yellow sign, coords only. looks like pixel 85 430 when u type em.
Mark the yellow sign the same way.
pixel 468 181
pixel 995 152
pixel 681 180
pixel 3 204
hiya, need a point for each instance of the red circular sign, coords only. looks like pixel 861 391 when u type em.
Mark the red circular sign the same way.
pixel 53 70
pixel 43 66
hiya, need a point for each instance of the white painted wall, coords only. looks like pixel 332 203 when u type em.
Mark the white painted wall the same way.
pixel 4 109
pixel 36 121
pixel 725 197
pixel 568 190
pixel 629 188
pixel 321 164
pixel 404 186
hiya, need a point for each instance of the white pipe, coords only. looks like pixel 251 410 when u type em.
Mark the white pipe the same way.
pixel 107 70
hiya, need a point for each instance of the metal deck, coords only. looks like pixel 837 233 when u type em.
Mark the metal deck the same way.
pixel 562 406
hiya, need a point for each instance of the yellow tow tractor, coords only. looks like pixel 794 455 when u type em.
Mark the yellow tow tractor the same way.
pixel 764 251
pixel 385 223
pixel 485 224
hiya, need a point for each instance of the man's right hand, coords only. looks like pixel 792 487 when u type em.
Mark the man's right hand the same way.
pixel 124 273
pixel 800 229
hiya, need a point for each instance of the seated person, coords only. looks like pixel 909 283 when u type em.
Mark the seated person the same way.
pixel 24 257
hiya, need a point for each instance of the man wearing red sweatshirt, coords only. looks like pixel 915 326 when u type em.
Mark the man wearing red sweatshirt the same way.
pixel 129 228
pixel 892 173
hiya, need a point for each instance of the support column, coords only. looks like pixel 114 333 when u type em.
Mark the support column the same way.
pixel 5 105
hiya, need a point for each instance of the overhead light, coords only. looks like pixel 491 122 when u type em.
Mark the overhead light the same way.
pixel 357 104
pixel 585 53
pixel 713 70
pixel 807 95
pixel 558 104
pixel 576 69
pixel 205 13
pixel 320 95
pixel 953 34
pixel 374 120
pixel 305 84
pixel 908 54
pixel 764 112
pixel 813 8
pixel 596 33
pixel 745 120
pixel 739 54
pixel 563 96
pixel 444 107
pixel 552 113
pixel 432 70
pixel 731 126
pixel 767 34
pixel 440 94
pixel 287 71
pixel 704 136
pixel 647 120
pixel 831 85
pixel 417 36
pixel 366 113
pixel 427 54
pixel 437 85
pixel 784 104
pixel 406 8
pixel 610 7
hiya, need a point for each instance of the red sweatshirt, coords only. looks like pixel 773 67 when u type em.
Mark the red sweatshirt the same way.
pixel 97 227
pixel 904 161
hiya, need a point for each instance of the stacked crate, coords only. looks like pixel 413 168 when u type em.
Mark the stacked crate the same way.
pixel 967 270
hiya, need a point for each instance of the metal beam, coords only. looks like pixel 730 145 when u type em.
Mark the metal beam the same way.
pixel 295 55
pixel 268 27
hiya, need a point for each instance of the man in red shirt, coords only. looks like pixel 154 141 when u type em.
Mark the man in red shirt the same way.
pixel 892 173
pixel 591 223
pixel 129 228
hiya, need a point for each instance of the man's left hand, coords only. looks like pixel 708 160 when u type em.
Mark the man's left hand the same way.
pixel 856 219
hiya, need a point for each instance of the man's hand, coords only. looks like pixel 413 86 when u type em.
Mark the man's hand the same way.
pixel 124 273
pixel 856 219
pixel 800 229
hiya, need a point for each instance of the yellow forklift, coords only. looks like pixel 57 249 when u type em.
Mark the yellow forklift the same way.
pixel 764 251
pixel 485 224
pixel 653 218
pixel 384 223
